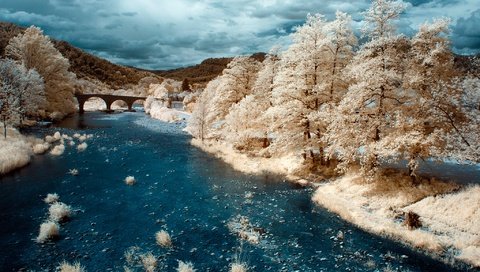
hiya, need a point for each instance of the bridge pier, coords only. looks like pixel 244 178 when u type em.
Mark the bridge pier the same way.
pixel 81 104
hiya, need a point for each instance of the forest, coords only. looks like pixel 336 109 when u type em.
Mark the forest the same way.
pixel 342 105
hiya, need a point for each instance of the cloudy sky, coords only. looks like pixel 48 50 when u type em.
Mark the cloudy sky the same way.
pixel 164 34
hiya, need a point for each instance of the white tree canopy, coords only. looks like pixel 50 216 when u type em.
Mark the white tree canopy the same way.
pixel 36 51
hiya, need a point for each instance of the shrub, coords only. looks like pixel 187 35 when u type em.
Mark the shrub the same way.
pixel 59 211
pixel 41 148
pixel 149 262
pixel 130 180
pixel 81 147
pixel 66 267
pixel 58 150
pixel 185 267
pixel 238 267
pixel 163 239
pixel 412 220
pixel 48 230
pixel 51 198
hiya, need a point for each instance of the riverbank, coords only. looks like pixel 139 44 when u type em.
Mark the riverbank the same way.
pixel 450 213
pixel 16 151
pixel 285 166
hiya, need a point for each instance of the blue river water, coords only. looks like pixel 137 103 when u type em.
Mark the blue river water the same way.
pixel 181 189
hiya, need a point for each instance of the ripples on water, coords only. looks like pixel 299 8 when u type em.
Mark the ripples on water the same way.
pixel 183 190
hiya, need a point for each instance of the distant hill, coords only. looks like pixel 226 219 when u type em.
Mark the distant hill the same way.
pixel 204 72
pixel 88 66
pixel 83 64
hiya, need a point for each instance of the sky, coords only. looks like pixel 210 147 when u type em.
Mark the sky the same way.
pixel 165 34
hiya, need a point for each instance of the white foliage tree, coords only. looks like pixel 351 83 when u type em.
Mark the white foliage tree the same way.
pixel 203 117
pixel 246 122
pixel 296 93
pixel 22 92
pixel 339 45
pixel 364 115
pixel 310 77
pixel 222 93
pixel 235 83
pixel 338 52
pixel 427 124
pixel 36 51
pixel 198 122
pixel 470 127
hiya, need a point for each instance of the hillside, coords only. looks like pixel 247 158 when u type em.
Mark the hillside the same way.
pixel 88 66
pixel 204 72
pixel 84 65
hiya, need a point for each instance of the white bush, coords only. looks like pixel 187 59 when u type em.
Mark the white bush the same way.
pixel 238 267
pixel 48 230
pixel 14 153
pixel 149 262
pixel 41 148
pixel 51 198
pixel 81 147
pixel 185 267
pixel 130 180
pixel 58 150
pixel 59 211
pixel 66 267
pixel 57 136
pixel 163 239
pixel 50 139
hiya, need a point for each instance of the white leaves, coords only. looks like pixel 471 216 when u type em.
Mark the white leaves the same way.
pixel 393 100
pixel 379 18
pixel 21 91
pixel 36 51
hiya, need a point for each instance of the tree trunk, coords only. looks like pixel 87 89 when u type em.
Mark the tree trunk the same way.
pixel 312 156
pixel 5 127
pixel 321 155
pixel 333 74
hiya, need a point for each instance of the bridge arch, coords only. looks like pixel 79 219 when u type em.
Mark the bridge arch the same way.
pixel 117 104
pixel 108 99
pixel 96 101
pixel 139 102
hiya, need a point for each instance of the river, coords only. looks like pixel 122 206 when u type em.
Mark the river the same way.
pixel 179 188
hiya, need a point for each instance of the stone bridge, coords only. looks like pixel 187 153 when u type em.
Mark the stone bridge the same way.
pixel 109 99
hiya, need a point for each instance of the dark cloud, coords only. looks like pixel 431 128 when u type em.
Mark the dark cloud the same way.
pixel 129 14
pixel 167 34
pixel 433 2
pixel 467 33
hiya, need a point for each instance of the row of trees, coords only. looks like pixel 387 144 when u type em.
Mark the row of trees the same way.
pixel 34 78
pixel 395 98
